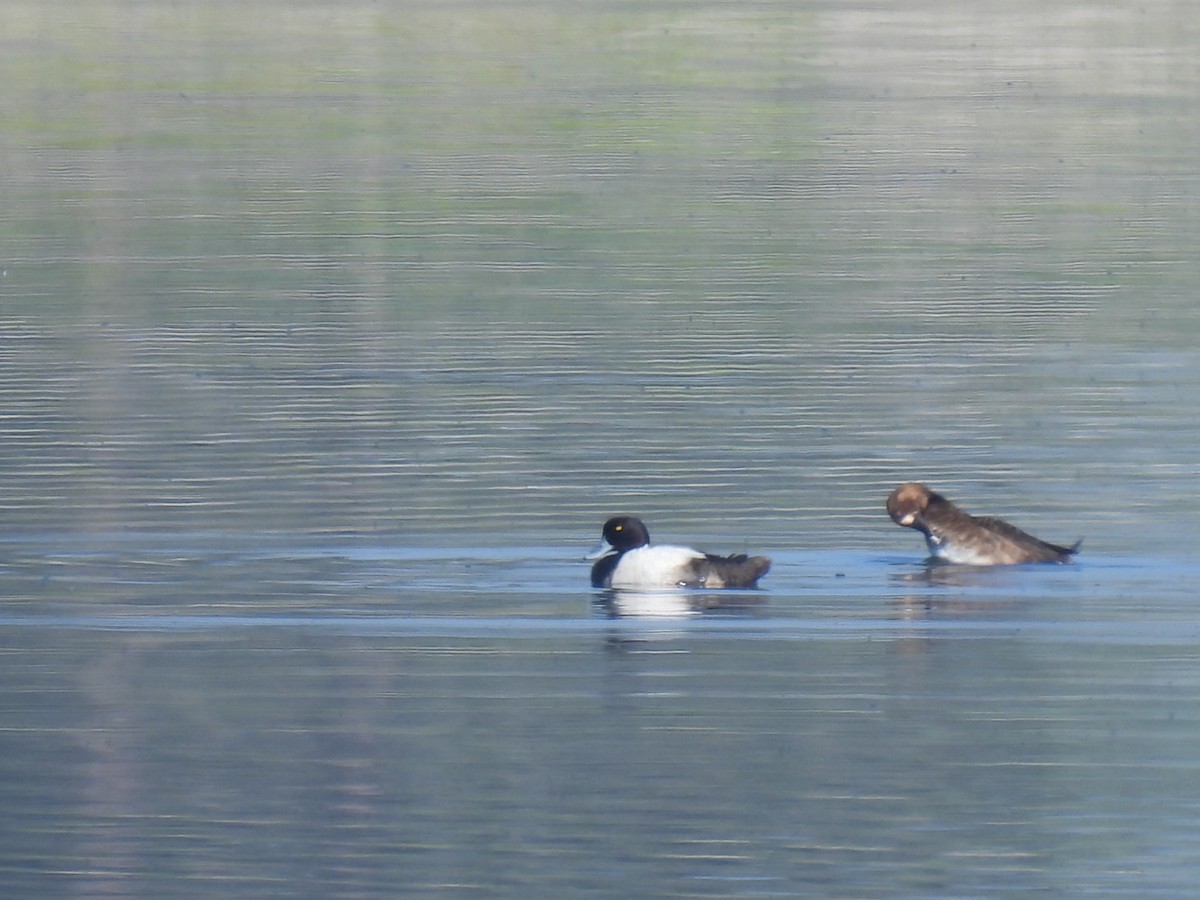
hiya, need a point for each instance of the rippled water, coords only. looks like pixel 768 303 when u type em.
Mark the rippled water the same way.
pixel 331 334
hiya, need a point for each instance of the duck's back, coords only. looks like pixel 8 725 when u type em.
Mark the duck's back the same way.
pixel 986 540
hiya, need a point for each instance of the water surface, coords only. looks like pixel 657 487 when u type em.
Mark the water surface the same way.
pixel 331 334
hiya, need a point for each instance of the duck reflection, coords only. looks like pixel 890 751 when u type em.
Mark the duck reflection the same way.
pixel 916 602
pixel 936 573
pixel 926 606
pixel 675 604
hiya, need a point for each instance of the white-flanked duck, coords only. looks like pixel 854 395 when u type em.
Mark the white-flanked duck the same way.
pixel 626 560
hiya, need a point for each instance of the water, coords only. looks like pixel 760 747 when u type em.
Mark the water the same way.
pixel 331 333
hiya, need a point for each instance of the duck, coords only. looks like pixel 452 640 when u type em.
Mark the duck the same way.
pixel 626 560
pixel 955 536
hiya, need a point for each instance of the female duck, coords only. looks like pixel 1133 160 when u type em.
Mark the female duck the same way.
pixel 625 560
pixel 958 537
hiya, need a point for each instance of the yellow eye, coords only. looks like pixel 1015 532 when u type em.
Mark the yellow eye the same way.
pixel 619 528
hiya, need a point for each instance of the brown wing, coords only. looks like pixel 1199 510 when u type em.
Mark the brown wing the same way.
pixel 1035 545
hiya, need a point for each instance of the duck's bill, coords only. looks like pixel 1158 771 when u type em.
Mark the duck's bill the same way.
pixel 599 550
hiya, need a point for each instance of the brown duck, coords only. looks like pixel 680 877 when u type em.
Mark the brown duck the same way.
pixel 958 537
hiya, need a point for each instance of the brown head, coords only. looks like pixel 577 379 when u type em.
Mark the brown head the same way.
pixel 907 503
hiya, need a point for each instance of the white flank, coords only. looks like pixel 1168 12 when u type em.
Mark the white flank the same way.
pixel 657 566
pixel 955 554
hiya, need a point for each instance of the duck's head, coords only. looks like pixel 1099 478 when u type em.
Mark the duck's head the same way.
pixel 906 504
pixel 621 533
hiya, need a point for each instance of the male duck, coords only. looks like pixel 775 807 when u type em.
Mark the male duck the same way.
pixel 625 560
pixel 958 537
